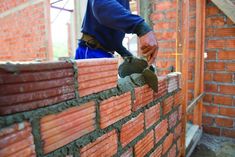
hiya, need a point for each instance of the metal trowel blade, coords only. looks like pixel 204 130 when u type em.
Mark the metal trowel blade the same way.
pixel 151 79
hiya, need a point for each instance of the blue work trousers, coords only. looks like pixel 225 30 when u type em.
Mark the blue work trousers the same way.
pixel 85 52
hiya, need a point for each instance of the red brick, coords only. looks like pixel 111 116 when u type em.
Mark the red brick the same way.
pixel 215 21
pixel 143 95
pixel 228 133
pixel 132 129
pixel 207 120
pixel 215 66
pixel 230 43
pixel 162 87
pixel 180 112
pixel 167 104
pixel 178 98
pixel 60 129
pixel 216 44
pixel 17 140
pixel 211 109
pixel 179 146
pixel 226 55
pixel 144 145
pixel 222 100
pixel 231 67
pixel 157 16
pixel 165 25
pixel 105 145
pixel 222 122
pixel 166 35
pixel 114 109
pixel 152 115
pixel 223 77
pixel 212 10
pixel 227 111
pixel 167 143
pixel 96 75
pixel 165 5
pixel 211 55
pixel 211 88
pixel 208 76
pixel 171 15
pixel 161 130
pixel 178 131
pixel 230 89
pixel 172 152
pixel 207 98
pixel 173 118
pixel 157 152
pixel 211 130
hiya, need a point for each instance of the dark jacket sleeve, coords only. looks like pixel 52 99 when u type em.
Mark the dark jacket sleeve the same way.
pixel 113 15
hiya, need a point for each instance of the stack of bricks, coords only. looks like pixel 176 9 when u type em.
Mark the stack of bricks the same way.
pixel 164 19
pixel 103 121
pixel 219 101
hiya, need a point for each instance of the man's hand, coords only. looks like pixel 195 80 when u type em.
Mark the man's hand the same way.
pixel 149 47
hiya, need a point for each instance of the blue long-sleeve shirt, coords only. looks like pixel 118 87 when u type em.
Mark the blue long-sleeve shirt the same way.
pixel 109 20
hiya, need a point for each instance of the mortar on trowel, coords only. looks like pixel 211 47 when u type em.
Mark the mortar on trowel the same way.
pixel 133 65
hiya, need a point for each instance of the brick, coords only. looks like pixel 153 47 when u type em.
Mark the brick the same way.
pixel 128 153
pixel 167 105
pixel 132 129
pixel 143 95
pixel 230 89
pixel 222 77
pixel 180 112
pixel 207 98
pixel 114 109
pixel 172 82
pixel 173 118
pixel 216 44
pixel 17 140
pixel 223 100
pixel 179 146
pixel 161 130
pixel 167 143
pixel 152 115
pixel 230 112
pixel 162 87
pixel 211 88
pixel 231 67
pixel 171 15
pixel 178 98
pixel 105 145
pixel 207 120
pixel 144 145
pixel 226 55
pixel 96 75
pixel 157 152
pixel 208 76
pixel 212 10
pixel 165 35
pixel 165 5
pixel 60 129
pixel 211 130
pixel 230 43
pixel 210 109
pixel 228 133
pixel 172 151
pixel 215 66
pixel 222 122
pixel 215 21
pixel 211 55
pixel 165 25
pixel 157 16
pixel 178 131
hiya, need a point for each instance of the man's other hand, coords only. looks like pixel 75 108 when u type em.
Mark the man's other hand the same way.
pixel 149 47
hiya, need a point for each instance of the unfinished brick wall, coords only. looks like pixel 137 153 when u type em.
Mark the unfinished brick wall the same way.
pixel 70 109
pixel 25 30
pixel 219 102
pixel 164 20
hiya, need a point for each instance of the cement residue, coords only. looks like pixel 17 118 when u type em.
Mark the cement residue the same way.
pixel 213 146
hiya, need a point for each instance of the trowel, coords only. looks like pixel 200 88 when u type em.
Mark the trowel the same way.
pixel 133 65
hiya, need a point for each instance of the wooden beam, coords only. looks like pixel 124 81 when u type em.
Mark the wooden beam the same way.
pixel 178 56
pixel 185 39
pixel 227 7
pixel 195 102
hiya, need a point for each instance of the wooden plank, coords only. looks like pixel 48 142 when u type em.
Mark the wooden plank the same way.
pixel 193 104
pixel 178 42
pixel 185 39
pixel 227 7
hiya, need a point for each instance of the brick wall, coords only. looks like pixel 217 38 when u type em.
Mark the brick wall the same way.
pixel 219 102
pixel 70 109
pixel 164 20
pixel 25 30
